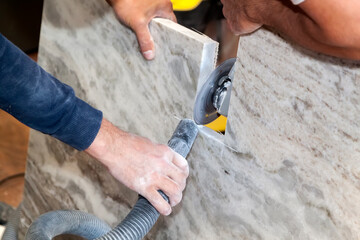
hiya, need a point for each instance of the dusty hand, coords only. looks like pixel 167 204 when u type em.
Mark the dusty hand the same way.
pixel 137 14
pixel 244 16
pixel 141 165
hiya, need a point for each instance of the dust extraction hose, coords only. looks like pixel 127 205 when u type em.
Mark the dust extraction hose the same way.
pixel 136 224
pixel 12 226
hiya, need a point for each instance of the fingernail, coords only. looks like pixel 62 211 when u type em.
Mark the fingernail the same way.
pixel 149 55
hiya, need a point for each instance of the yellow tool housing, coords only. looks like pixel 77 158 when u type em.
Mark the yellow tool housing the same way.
pixel 185 5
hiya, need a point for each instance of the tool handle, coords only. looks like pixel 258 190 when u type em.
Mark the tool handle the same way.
pixel 184 137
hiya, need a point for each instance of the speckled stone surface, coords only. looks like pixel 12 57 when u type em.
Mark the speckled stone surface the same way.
pixel 296 113
pixel 84 45
pixel 287 168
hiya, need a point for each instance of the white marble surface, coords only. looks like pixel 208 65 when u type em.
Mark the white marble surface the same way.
pixel 292 168
pixel 297 114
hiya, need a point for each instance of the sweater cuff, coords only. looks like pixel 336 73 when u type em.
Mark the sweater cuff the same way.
pixel 81 130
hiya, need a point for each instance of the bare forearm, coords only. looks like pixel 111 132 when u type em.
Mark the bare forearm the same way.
pixel 318 28
pixel 327 26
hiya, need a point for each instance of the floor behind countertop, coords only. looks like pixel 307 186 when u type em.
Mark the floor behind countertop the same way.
pixel 13 149
pixel 14 137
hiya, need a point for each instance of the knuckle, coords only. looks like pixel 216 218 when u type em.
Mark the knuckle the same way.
pixel 148 189
pixel 187 173
pixel 141 21
pixel 183 185
pixel 166 153
pixel 153 178
pixel 185 170
pixel 184 173
pixel 165 149
pixel 145 41
pixel 177 189
pixel 176 199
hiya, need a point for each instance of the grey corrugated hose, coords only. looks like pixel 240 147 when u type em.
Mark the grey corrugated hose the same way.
pixel 11 231
pixel 136 224
pixel 55 223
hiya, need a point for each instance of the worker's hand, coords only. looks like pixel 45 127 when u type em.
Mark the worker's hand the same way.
pixel 330 27
pixel 141 165
pixel 137 14
pixel 244 16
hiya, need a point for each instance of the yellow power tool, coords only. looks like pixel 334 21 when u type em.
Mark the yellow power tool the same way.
pixel 213 99
pixel 185 5
pixel 217 124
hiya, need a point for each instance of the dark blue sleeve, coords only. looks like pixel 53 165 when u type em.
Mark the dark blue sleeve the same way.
pixel 42 102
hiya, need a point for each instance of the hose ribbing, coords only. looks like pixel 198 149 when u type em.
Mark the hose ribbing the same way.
pixel 52 224
pixel 12 226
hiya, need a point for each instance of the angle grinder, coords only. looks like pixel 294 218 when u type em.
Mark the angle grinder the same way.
pixel 213 99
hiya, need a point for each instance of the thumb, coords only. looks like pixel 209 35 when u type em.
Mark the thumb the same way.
pixel 145 41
